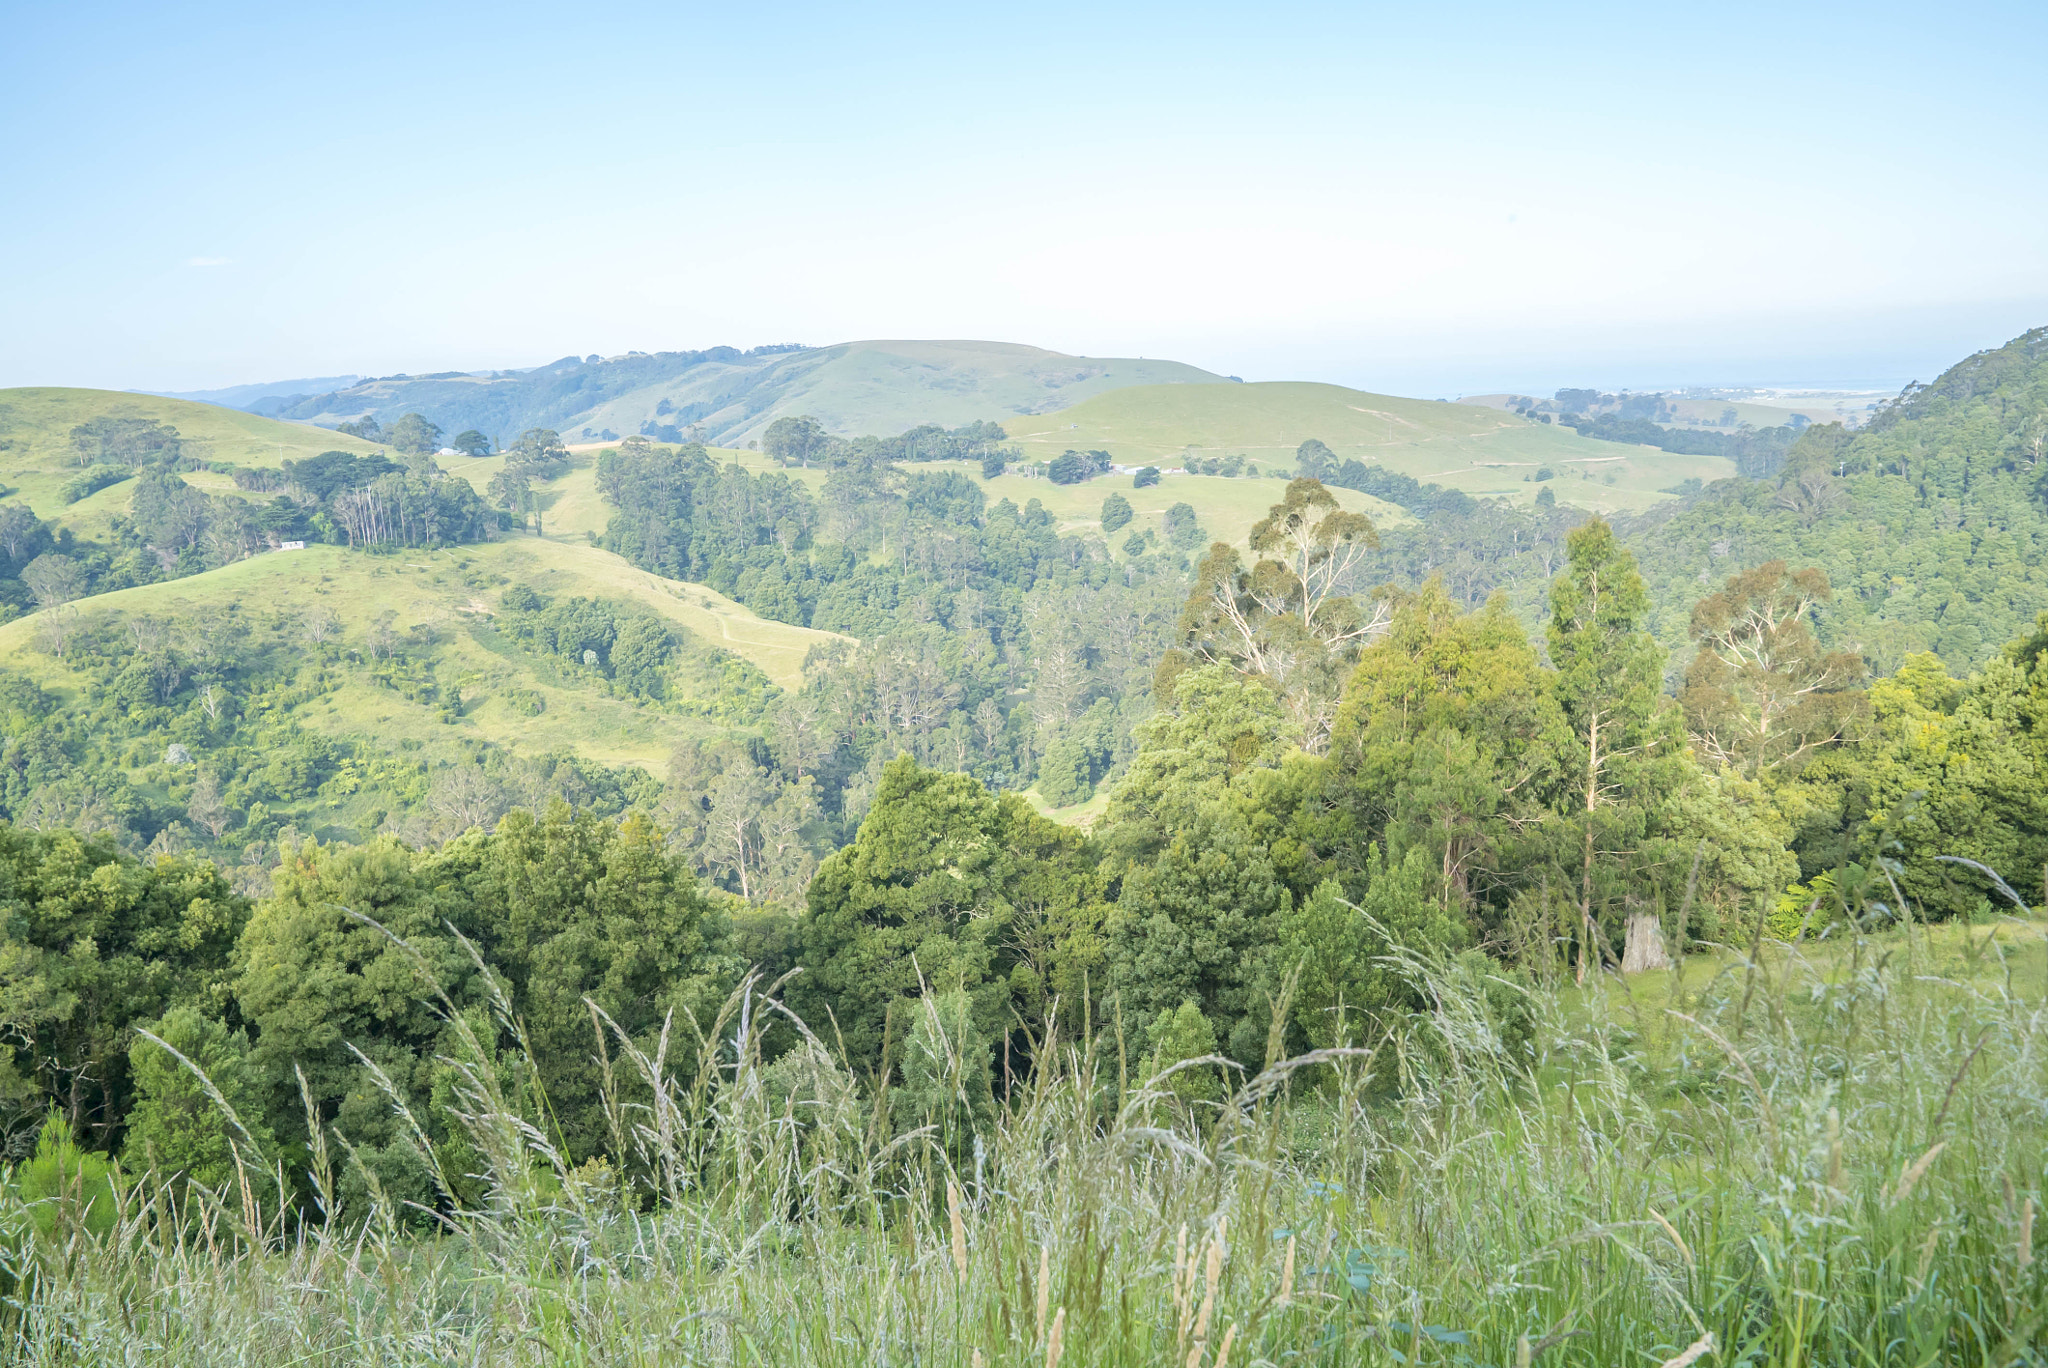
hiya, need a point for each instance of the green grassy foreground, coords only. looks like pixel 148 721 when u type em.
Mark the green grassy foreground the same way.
pixel 1829 1154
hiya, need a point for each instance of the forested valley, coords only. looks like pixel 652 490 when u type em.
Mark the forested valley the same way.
pixel 1207 898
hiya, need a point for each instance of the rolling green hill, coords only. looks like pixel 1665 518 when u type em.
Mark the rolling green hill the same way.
pixel 886 387
pixel 572 508
pixel 445 600
pixel 1459 446
pixel 37 455
pixel 1227 508
pixel 854 388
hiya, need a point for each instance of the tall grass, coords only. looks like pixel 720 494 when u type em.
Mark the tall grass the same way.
pixel 1812 1156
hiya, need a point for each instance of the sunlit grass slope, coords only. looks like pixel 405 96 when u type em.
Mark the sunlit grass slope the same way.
pixel 447 598
pixel 1226 508
pixel 1481 451
pixel 36 455
pixel 884 387
pixel 37 458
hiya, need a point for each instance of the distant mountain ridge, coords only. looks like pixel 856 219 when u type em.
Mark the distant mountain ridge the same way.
pixel 247 397
pixel 727 396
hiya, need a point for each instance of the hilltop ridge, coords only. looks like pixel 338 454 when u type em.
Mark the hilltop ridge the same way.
pixel 727 396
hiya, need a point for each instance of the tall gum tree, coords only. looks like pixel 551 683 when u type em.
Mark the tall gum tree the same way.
pixel 1294 618
pixel 1608 675
pixel 1761 694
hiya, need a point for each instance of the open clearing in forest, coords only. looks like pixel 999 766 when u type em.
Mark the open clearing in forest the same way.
pixel 1483 452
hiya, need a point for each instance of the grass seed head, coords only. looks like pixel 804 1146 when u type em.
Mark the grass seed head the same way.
pixel 1694 1352
pixel 959 1228
pixel 1910 1176
pixel 1209 1292
pixel 1044 1286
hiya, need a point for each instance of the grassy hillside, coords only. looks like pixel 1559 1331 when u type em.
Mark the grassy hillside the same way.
pixel 1850 1183
pixel 37 457
pixel 445 600
pixel 1227 508
pixel 886 387
pixel 1460 446
pixel 854 388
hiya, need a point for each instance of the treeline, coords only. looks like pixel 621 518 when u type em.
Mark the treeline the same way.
pixel 1536 812
pixel 1758 453
pixel 800 440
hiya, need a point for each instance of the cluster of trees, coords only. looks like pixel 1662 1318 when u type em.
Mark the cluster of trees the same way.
pixel 1758 453
pixel 336 497
pixel 800 440
pixel 1230 467
pixel 1074 467
pixel 276 1001
pixel 126 442
pixel 414 435
pixel 539 455
pixel 631 652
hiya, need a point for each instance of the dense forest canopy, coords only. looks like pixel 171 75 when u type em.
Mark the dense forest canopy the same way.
pixel 1931 522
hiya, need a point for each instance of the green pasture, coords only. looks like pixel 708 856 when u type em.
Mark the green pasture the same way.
pixel 36 455
pixel 444 602
pixel 1226 508
pixel 1483 452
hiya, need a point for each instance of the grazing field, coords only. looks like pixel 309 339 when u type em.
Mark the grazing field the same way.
pixel 443 600
pixel 37 456
pixel 1828 1154
pixel 1226 508
pixel 1480 451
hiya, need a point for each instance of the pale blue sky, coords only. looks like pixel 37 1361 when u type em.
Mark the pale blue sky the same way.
pixel 1418 199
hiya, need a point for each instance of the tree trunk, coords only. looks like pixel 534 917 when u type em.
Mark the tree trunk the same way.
pixel 1586 872
pixel 1644 949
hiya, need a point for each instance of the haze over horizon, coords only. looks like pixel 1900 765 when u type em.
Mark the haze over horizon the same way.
pixel 1431 204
